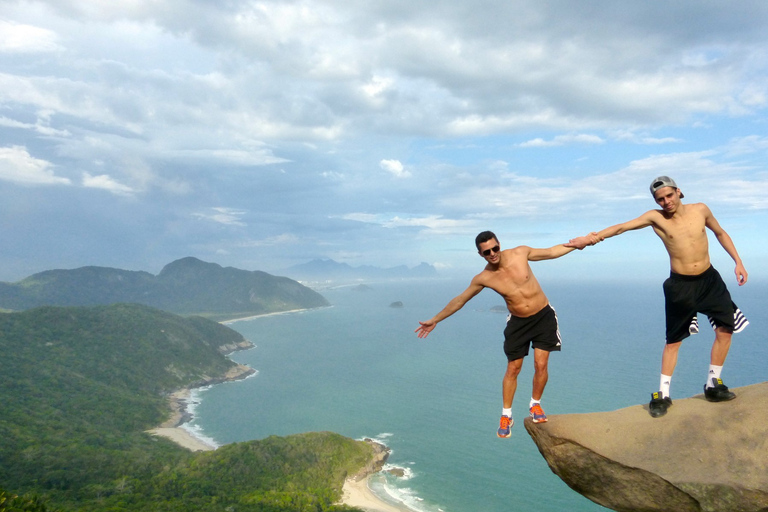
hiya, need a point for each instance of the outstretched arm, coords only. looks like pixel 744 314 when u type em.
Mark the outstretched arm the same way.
pixel 727 243
pixel 549 254
pixel 453 306
pixel 642 221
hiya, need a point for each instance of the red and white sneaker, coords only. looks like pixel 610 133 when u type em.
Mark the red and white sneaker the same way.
pixel 505 426
pixel 537 413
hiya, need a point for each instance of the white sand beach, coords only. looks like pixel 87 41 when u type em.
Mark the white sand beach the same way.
pixel 357 494
pixel 182 437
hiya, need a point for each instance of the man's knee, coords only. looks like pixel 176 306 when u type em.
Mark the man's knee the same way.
pixel 540 365
pixel 514 367
pixel 723 333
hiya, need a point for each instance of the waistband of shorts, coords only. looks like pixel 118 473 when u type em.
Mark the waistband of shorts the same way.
pixel 542 311
pixel 685 277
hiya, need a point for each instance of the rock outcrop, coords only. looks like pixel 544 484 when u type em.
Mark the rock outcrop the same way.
pixel 701 456
pixel 380 455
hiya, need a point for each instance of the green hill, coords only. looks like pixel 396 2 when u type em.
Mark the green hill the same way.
pixel 187 287
pixel 79 387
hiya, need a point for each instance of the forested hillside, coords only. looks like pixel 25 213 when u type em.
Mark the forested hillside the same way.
pixel 187 286
pixel 78 389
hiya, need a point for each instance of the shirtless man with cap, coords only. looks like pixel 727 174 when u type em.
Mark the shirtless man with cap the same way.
pixel 693 286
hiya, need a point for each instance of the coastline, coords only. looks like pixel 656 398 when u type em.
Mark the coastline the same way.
pixel 275 313
pixel 356 493
pixel 172 427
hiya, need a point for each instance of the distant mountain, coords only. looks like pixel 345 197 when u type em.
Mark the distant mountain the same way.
pixel 327 269
pixel 186 286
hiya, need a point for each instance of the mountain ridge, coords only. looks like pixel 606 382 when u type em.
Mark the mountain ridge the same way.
pixel 185 286
pixel 328 269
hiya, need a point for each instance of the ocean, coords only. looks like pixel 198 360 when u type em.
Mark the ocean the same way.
pixel 357 368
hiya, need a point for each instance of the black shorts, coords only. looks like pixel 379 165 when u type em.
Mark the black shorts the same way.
pixel 540 330
pixel 685 296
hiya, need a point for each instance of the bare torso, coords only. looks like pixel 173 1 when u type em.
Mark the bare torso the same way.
pixel 513 279
pixel 684 235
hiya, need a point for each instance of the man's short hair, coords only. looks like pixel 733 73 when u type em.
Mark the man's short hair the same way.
pixel 484 237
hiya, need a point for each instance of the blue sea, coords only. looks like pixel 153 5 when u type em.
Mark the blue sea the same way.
pixel 357 368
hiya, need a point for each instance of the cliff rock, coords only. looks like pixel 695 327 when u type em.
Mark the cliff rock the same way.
pixel 701 456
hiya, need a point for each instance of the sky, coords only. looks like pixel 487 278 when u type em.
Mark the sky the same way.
pixel 264 134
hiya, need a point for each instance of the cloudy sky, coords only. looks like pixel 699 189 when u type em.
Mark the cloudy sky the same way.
pixel 262 134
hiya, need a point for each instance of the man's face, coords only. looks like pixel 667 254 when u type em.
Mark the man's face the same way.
pixel 490 250
pixel 668 198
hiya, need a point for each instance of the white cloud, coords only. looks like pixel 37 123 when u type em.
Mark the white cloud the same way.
pixel 562 140
pixel 18 166
pixel 106 182
pixel 395 168
pixel 22 38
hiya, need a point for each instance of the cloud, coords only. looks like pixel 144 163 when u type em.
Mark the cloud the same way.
pixel 221 215
pixel 395 168
pixel 22 38
pixel 562 140
pixel 106 182
pixel 18 166
pixel 329 125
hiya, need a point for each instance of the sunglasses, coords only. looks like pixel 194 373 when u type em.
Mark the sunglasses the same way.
pixel 493 249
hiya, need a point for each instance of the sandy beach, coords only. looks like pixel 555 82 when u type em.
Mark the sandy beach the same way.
pixel 262 315
pixel 357 494
pixel 182 437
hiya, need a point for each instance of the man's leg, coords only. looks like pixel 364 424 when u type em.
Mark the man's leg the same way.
pixel 669 358
pixel 721 345
pixel 540 372
pixel 540 378
pixel 660 400
pixel 508 388
pixel 714 389
pixel 509 384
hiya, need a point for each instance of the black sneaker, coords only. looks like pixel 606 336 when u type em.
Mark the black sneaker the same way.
pixel 659 404
pixel 718 393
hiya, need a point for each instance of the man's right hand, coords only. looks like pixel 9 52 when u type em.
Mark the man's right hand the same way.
pixel 425 328
pixel 583 241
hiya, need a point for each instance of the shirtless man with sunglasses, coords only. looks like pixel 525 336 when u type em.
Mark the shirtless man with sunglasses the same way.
pixel 531 321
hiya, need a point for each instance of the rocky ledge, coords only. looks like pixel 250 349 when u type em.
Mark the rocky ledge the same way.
pixel 700 457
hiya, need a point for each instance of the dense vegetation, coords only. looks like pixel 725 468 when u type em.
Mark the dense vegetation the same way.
pixel 78 389
pixel 187 286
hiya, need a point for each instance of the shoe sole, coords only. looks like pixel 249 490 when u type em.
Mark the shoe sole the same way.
pixel 717 399
pixel 540 420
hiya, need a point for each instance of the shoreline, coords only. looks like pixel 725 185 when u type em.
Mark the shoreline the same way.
pixel 178 400
pixel 274 313
pixel 356 493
